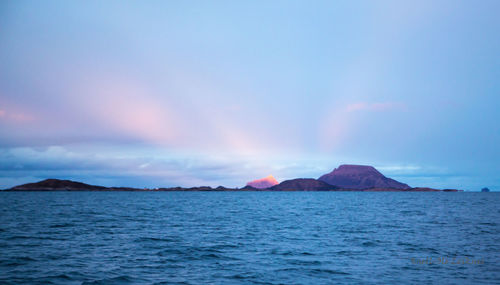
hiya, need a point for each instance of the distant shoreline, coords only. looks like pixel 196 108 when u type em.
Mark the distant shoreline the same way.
pixel 345 178
pixel 56 185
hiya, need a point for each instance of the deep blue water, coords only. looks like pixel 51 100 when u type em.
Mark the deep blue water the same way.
pixel 249 238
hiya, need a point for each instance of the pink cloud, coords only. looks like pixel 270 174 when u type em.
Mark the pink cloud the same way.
pixel 21 117
pixel 15 116
pixel 377 107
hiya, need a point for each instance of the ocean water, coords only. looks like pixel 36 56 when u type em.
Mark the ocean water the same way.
pixel 249 238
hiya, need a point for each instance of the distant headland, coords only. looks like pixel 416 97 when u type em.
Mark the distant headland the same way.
pixel 344 178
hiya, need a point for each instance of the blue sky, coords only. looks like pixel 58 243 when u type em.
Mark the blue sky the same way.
pixel 166 93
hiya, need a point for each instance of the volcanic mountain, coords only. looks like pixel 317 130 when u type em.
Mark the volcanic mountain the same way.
pixel 263 183
pixel 360 177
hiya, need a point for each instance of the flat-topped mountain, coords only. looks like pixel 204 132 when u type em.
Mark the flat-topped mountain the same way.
pixel 360 177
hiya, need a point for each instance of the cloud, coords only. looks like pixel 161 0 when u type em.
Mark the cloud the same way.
pixel 399 169
pixel 16 117
pixel 375 107
pixel 191 111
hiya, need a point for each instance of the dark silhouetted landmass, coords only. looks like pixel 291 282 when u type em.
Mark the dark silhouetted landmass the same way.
pixel 485 189
pixel 66 185
pixel 303 184
pixel 300 184
pixel 360 177
pixel 344 178
pixel 208 188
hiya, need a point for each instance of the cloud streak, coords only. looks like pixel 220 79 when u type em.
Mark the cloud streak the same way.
pixel 15 116
pixel 376 107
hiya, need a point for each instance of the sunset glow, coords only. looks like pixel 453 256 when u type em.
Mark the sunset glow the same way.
pixel 179 94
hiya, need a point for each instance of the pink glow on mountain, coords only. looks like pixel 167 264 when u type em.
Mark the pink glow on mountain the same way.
pixel 263 183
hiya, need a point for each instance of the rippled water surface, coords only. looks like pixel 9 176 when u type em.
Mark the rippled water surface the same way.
pixel 249 238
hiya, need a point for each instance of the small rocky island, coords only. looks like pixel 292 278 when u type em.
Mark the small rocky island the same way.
pixel 343 178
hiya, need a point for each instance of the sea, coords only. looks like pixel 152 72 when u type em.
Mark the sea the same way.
pixel 249 238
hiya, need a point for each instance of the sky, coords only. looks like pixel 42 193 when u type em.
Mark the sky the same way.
pixel 190 93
